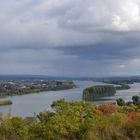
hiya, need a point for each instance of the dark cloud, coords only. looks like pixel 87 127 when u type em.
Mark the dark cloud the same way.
pixel 115 46
pixel 70 37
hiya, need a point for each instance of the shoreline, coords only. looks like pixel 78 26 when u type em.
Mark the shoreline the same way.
pixel 4 102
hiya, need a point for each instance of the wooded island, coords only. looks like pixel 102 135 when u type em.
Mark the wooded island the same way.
pixel 98 91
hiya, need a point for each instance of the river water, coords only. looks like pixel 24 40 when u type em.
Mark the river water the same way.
pixel 26 105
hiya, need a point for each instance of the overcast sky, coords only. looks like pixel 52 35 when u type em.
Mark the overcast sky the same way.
pixel 70 37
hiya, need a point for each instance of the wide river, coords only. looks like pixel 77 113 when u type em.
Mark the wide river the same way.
pixel 26 105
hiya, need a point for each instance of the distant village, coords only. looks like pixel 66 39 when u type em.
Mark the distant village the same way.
pixel 12 87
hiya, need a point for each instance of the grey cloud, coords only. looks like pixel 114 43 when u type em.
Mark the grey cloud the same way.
pixel 69 37
pixel 113 46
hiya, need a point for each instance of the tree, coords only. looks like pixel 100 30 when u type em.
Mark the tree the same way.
pixel 135 99
pixel 120 102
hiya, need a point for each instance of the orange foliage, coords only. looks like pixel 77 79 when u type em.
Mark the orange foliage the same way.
pixel 107 108
pixel 131 116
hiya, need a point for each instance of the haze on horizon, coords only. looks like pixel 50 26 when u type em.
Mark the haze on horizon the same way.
pixel 70 37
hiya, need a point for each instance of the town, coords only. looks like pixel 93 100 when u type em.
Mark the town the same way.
pixel 19 87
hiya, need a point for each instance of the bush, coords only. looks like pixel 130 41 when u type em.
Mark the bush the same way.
pixel 75 120
pixel 120 102
pixel 135 99
pixel 107 108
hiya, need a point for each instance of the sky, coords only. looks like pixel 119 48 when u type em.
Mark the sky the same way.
pixel 70 37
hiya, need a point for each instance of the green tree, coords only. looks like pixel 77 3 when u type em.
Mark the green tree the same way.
pixel 135 99
pixel 120 102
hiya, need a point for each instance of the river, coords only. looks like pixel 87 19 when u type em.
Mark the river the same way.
pixel 27 105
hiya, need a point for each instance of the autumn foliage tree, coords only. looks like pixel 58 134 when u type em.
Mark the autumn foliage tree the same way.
pixel 75 120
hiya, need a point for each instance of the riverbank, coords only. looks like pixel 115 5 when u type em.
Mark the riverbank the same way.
pixel 21 87
pixel 5 102
pixel 122 84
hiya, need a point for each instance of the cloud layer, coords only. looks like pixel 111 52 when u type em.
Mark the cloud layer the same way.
pixel 70 37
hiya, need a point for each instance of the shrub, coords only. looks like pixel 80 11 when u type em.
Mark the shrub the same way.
pixel 120 102
pixel 107 108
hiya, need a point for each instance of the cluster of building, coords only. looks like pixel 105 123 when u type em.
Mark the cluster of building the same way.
pixel 34 83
